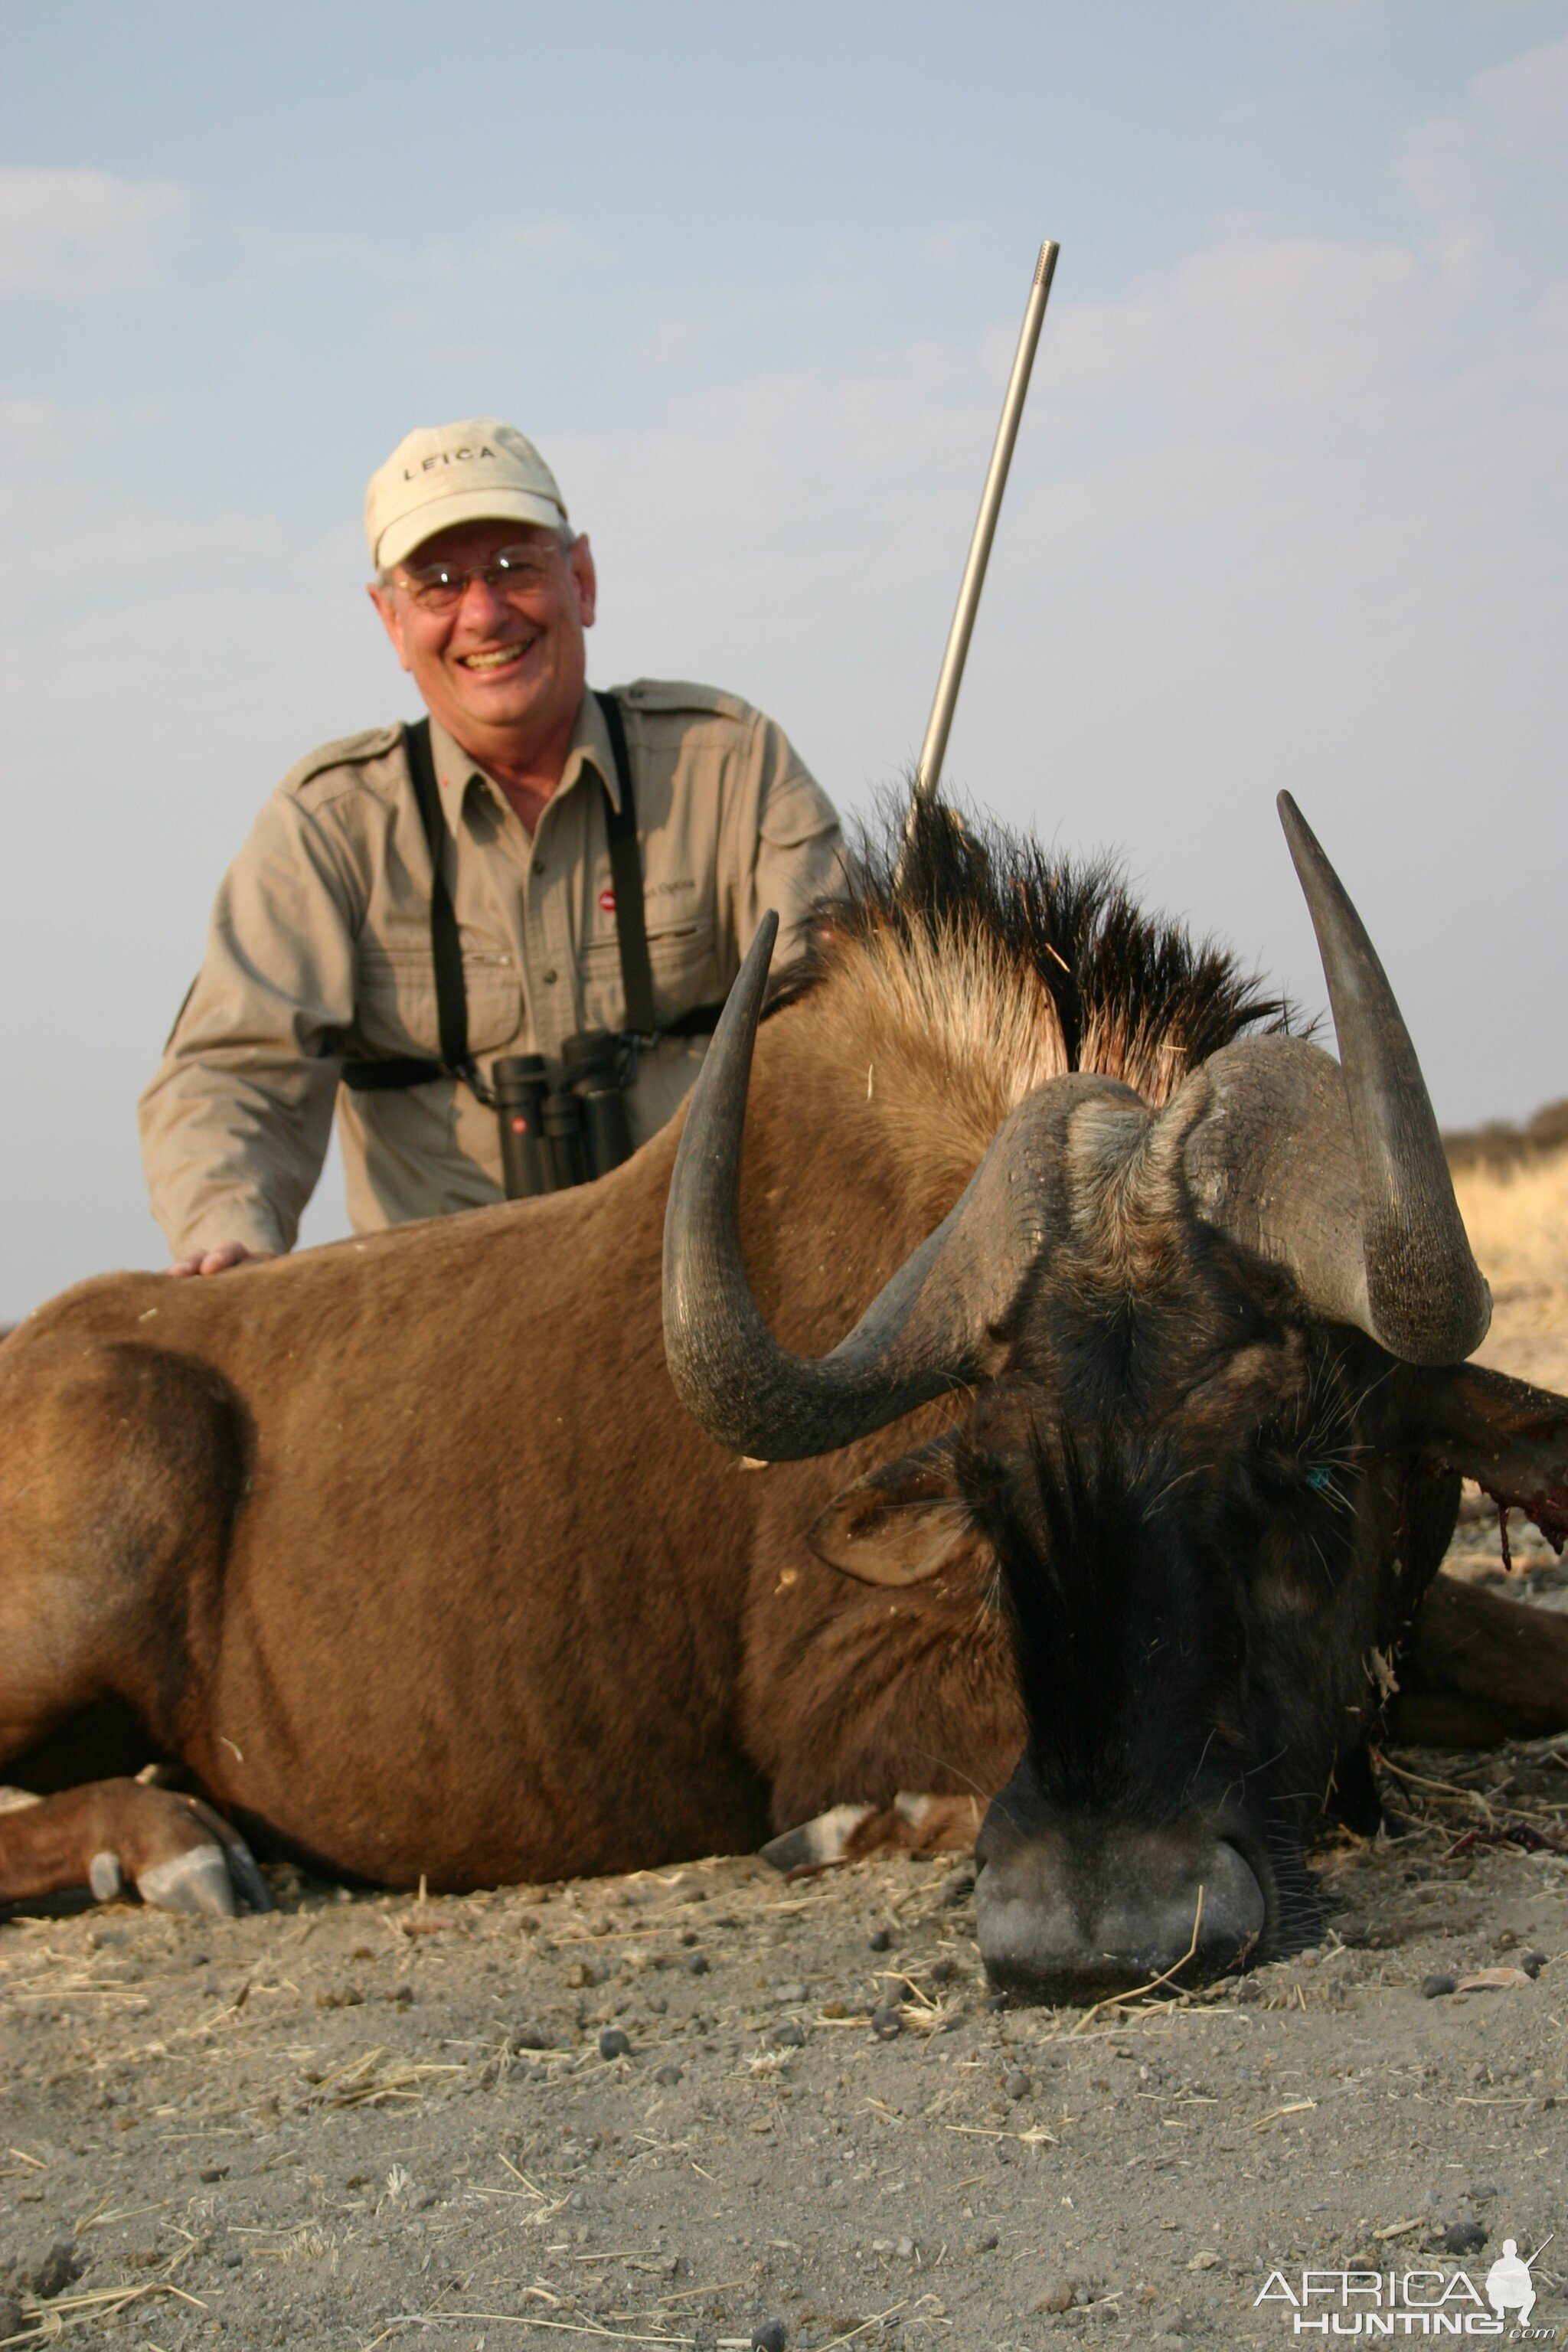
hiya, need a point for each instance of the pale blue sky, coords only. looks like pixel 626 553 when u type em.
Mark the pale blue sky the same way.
pixel 1288 505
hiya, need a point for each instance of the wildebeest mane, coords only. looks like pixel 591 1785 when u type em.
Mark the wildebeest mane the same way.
pixel 1030 958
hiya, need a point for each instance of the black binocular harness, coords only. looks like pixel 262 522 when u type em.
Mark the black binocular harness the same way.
pixel 446 945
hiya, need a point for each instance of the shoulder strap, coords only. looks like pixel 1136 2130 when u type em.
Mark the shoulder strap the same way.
pixel 625 874
pixel 445 944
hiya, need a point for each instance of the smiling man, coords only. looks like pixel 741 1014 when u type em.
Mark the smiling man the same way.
pixel 319 987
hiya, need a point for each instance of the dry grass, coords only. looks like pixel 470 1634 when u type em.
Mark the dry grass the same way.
pixel 1517 1218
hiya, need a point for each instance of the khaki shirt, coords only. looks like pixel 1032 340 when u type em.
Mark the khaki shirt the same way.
pixel 319 953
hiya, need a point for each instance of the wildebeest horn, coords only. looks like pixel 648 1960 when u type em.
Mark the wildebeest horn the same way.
pixel 1340 1172
pixel 935 1325
pixel 1428 1299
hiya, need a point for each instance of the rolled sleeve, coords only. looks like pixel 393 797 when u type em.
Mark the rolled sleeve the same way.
pixel 235 1122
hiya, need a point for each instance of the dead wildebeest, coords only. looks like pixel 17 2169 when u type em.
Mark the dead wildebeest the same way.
pixel 408 1550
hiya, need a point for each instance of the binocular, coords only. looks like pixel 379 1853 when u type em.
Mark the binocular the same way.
pixel 551 1138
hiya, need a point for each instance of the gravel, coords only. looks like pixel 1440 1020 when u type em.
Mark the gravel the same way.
pixel 478 2130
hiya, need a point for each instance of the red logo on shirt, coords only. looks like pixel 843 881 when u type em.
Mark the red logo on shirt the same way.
pixel 607 902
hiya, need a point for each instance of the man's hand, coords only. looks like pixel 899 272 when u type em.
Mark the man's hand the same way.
pixel 219 1260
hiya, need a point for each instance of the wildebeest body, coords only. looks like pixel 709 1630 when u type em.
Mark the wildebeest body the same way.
pixel 408 1547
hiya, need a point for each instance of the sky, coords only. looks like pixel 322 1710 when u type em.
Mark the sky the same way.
pixel 1287 506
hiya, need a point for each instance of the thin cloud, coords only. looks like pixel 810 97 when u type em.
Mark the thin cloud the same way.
pixel 77 235
pixel 443 264
pixel 1523 106
pixel 1509 140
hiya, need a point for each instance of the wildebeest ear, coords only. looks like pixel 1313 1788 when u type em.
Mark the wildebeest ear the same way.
pixel 1510 1438
pixel 902 1523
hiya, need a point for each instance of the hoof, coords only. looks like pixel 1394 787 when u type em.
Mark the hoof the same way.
pixel 196 1881
pixel 815 1842
pixel 249 1883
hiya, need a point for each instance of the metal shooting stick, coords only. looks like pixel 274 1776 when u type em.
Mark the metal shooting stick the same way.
pixel 935 749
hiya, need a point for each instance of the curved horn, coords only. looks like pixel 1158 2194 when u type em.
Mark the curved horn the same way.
pixel 934 1325
pixel 1337 1171
pixel 1428 1299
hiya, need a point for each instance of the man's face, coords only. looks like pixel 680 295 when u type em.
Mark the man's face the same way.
pixel 504 668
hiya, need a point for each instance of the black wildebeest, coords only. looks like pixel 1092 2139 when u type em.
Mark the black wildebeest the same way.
pixel 1219 1416
pixel 408 1550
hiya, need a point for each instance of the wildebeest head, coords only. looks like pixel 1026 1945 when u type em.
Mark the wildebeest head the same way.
pixel 1218 1420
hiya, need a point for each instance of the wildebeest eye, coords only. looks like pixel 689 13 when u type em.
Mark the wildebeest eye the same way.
pixel 1319 1478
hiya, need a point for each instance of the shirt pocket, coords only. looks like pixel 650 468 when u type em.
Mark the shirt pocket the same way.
pixel 395 1011
pixel 682 958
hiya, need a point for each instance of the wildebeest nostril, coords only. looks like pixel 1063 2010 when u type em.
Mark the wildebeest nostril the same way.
pixel 1073 1919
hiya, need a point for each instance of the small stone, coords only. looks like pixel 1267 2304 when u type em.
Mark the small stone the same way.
pixel 1057 2296
pixel 905 2250
pixel 1205 2259
pixel 1017 2084
pixel 613 2043
pixel 1464 2238
pixel 211 2172
pixel 10 2316
pixel 789 1996
pixel 697 1964
pixel 770 2335
pixel 529 2037
pixel 231 2258
pixel 1532 1963
pixel 880 1939
pixel 785 2035
pixel 667 2076
pixel 1439 1982
pixel 886 2024
pixel 55 2271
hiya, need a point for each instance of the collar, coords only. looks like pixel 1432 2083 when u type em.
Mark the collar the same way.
pixel 591 747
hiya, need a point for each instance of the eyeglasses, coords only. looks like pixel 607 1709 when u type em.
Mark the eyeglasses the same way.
pixel 514 572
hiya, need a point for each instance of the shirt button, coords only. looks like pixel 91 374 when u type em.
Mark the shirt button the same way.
pixel 550 977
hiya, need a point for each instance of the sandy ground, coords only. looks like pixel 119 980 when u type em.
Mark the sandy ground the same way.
pixel 375 2120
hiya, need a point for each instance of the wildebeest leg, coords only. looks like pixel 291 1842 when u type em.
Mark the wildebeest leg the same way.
pixel 910 1824
pixel 1477 1669
pixel 121 1467
pixel 180 1856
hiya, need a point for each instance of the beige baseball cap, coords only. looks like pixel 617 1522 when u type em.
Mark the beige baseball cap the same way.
pixel 479 470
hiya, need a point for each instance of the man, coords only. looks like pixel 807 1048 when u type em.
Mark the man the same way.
pixel 319 959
